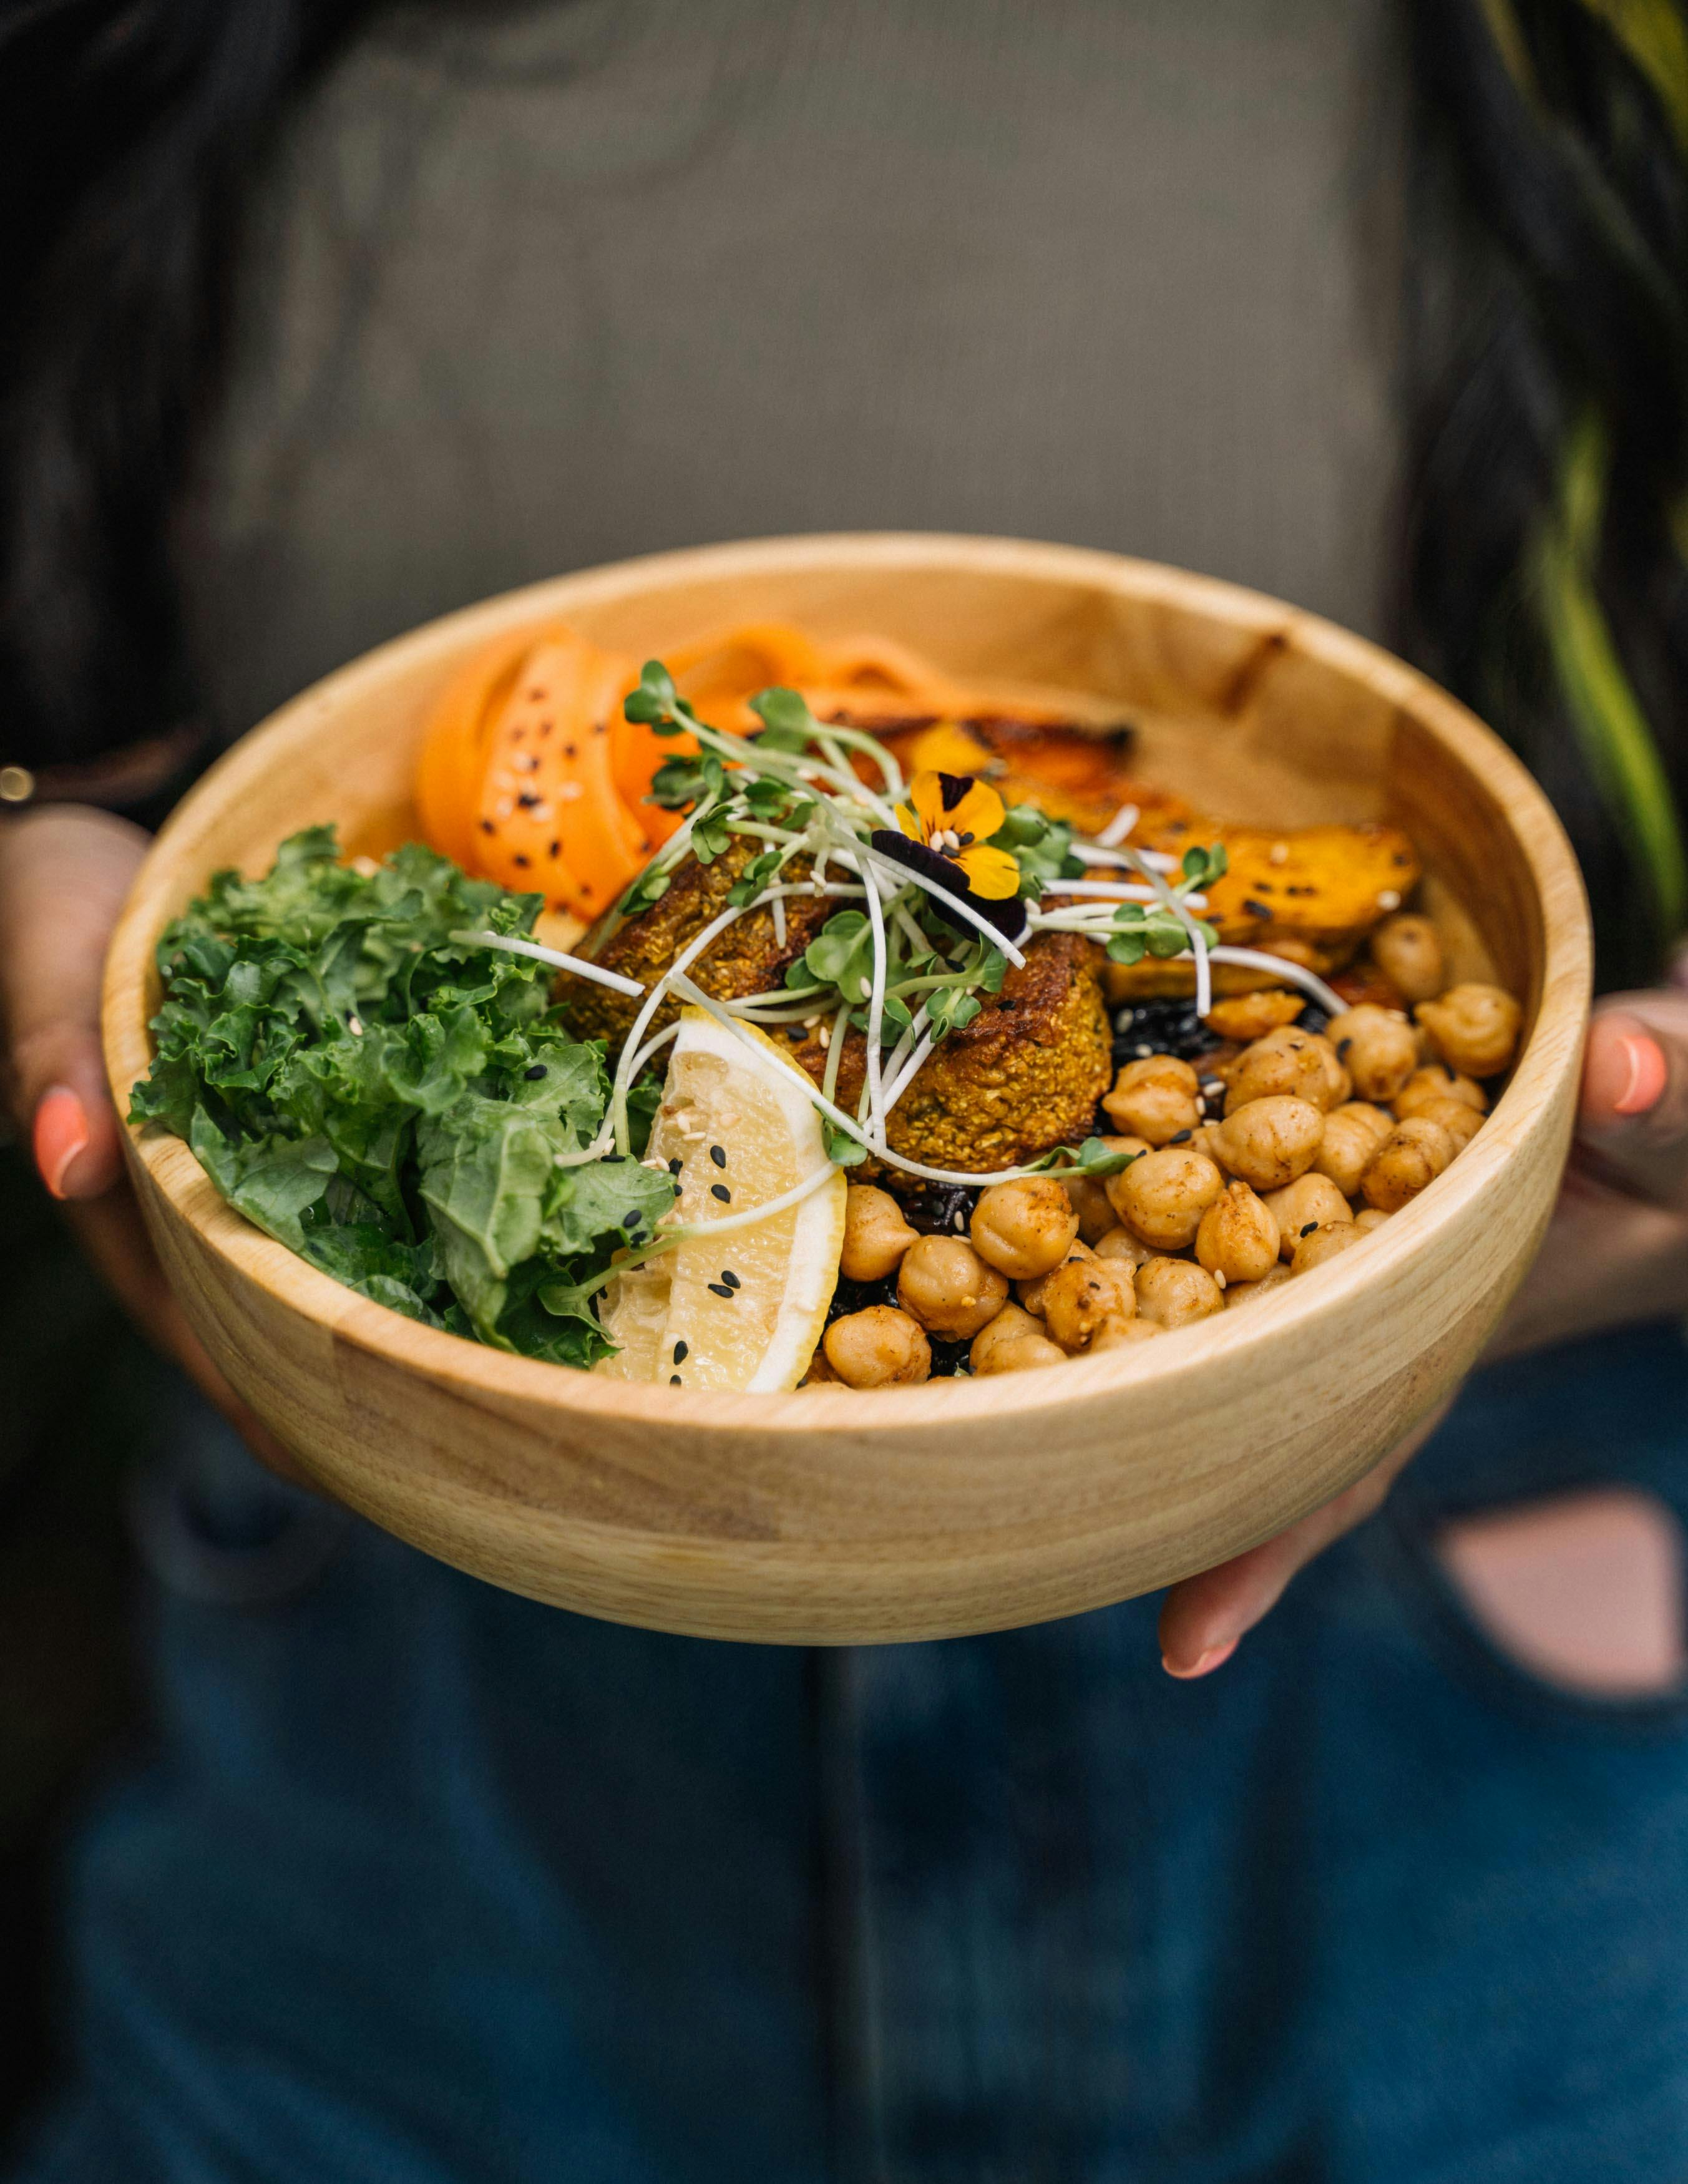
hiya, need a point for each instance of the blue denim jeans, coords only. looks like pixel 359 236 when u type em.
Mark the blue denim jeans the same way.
pixel 424 1884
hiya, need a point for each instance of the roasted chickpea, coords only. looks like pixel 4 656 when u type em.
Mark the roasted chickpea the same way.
pixel 1173 1292
pixel 1237 1237
pixel 1013 1342
pixel 1323 1243
pixel 1369 1217
pixel 1245 1017
pixel 1309 1202
pixel 1473 1026
pixel 820 1373
pixel 879 1348
pixel 1376 1048
pixel 1155 1098
pixel 1116 1333
pixel 1240 1293
pixel 1438 1082
pixel 1120 1244
pixel 1459 1121
pixel 1205 1140
pixel 1089 1197
pixel 1023 1228
pixel 1162 1197
pixel 1352 1134
pixel 1081 1294
pixel 947 1287
pixel 1408 952
pixel 1269 1142
pixel 1412 1155
pixel 1031 1293
pixel 1299 1064
pixel 876 1234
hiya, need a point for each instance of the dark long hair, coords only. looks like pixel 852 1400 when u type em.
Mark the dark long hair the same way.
pixel 1542 572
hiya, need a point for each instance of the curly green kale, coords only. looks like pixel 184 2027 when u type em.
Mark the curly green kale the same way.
pixel 390 1103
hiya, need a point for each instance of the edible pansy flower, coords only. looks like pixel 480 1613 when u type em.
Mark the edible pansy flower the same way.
pixel 955 815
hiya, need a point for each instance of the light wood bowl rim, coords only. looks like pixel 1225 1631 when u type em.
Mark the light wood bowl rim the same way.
pixel 1283 1318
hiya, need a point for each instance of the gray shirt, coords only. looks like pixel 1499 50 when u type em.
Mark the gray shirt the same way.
pixel 537 288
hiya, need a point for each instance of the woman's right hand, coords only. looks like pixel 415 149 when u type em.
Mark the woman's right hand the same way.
pixel 64 872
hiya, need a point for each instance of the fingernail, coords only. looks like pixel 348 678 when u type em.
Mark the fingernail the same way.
pixel 1204 1663
pixel 61 1132
pixel 1645 1058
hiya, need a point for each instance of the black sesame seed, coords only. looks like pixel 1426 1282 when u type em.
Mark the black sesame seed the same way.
pixel 488 828
pixel 1308 1228
pixel 1180 1137
pixel 718 1155
pixel 718 1288
pixel 731 1279
pixel 610 1159
pixel 682 1351
pixel 528 800
pixel 553 848
pixel 633 1220
pixel 675 1167
pixel 568 751
pixel 522 862
pixel 721 1191
pixel 535 1073
pixel 1256 909
pixel 674 1380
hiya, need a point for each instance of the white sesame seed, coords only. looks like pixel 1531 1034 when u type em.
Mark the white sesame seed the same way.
pixel 1389 899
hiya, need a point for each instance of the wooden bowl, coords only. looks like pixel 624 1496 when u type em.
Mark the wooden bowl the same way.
pixel 827 1517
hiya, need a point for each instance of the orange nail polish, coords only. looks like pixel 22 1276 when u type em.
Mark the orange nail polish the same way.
pixel 61 1132
pixel 1204 1664
pixel 1645 1059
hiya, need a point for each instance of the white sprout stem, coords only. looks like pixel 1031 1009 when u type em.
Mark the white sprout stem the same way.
pixel 910 1070
pixel 881 754
pixel 847 1124
pixel 877 803
pixel 1118 827
pixel 900 1052
pixel 652 1046
pixel 778 915
pixel 835 1047
pixel 1198 945
pixel 998 940
pixel 1088 853
pixel 876 1017
pixel 1255 959
pixel 1118 891
pixel 909 931
pixel 775 997
pixel 555 956
pixel 671 1239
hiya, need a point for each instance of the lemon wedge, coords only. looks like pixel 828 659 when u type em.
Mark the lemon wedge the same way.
pixel 746 1309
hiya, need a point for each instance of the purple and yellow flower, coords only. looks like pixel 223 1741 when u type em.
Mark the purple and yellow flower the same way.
pixel 955 816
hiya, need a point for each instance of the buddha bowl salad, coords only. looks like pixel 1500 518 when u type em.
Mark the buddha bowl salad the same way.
pixel 940 1048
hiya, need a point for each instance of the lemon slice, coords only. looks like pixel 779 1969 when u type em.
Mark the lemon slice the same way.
pixel 745 1309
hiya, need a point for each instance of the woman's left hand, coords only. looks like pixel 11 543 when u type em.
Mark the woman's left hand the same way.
pixel 1616 1251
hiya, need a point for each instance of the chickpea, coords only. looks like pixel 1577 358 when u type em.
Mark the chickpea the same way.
pixel 1031 1293
pixel 1408 952
pixel 1245 1017
pixel 1205 1139
pixel 947 1287
pixel 1090 1200
pixel 1269 1142
pixel 820 1373
pixel 1023 1228
pixel 876 1234
pixel 1080 1296
pixel 1013 1342
pixel 879 1348
pixel 1474 1027
pixel 1413 1154
pixel 1352 1134
pixel 1369 1217
pixel 1238 1293
pixel 1174 1292
pixel 1154 1098
pixel 1162 1197
pixel 1299 1064
pixel 1438 1082
pixel 1117 1334
pixel 1310 1201
pixel 1237 1237
pixel 1120 1244
pixel 1377 1047
pixel 1461 1122
pixel 1324 1242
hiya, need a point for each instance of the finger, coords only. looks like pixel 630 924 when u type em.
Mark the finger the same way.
pixel 1203 1618
pixel 1632 1123
pixel 63 876
pixel 114 1237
